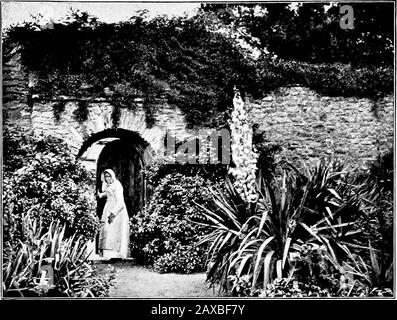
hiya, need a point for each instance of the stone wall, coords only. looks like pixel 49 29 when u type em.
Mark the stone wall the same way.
pixel 100 118
pixel 32 112
pixel 308 126
pixel 16 105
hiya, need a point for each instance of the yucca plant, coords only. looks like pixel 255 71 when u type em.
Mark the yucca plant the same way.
pixel 246 237
pixel 228 218
pixel 65 257
pixel 261 240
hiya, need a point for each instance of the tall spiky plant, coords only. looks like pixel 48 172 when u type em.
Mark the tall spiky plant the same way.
pixel 243 153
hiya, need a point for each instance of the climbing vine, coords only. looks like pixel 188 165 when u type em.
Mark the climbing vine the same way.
pixel 81 112
pixel 58 107
pixel 176 59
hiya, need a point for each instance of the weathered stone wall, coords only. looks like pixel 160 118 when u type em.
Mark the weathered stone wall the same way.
pixel 308 126
pixel 32 112
pixel 16 106
pixel 100 119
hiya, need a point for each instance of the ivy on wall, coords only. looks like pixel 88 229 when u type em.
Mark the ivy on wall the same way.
pixel 58 107
pixel 334 79
pixel 176 59
pixel 81 112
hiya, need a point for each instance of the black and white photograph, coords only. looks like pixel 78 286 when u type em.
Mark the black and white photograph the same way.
pixel 198 150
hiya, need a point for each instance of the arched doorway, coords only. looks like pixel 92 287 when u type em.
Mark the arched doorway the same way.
pixel 127 154
pixel 120 156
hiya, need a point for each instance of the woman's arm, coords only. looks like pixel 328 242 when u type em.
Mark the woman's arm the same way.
pixel 101 194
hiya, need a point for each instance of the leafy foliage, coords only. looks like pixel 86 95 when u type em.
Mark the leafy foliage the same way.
pixel 163 232
pixel 327 79
pixel 311 32
pixel 304 226
pixel 382 170
pixel 163 235
pixel 81 113
pixel 73 276
pixel 181 259
pixel 162 167
pixel 191 63
pixel 58 108
pixel 379 221
pixel 267 151
pixel 42 177
pixel 175 58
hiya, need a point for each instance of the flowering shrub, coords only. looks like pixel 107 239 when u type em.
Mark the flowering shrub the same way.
pixel 244 156
pixel 43 178
pixel 163 234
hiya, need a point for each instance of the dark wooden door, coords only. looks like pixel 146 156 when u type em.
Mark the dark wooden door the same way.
pixel 125 161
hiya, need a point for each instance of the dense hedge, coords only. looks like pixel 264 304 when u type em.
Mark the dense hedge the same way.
pixel 164 235
pixel 177 59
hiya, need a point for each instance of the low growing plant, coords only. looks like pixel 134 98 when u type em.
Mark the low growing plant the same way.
pixel 73 275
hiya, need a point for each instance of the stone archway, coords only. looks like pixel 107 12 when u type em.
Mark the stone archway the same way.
pixel 127 154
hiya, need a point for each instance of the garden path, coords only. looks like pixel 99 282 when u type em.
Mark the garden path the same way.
pixel 137 281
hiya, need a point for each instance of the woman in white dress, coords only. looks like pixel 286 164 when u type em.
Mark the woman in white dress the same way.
pixel 114 234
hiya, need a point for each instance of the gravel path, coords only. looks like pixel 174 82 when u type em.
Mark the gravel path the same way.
pixel 136 281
